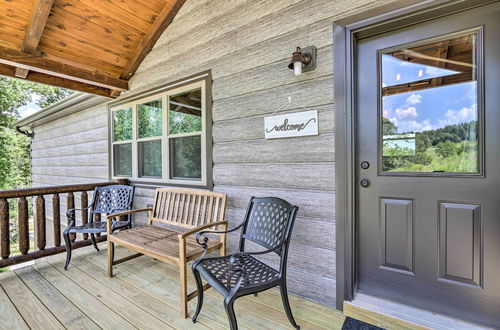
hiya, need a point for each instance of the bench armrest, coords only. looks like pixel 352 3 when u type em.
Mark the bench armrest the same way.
pixel 110 217
pixel 200 228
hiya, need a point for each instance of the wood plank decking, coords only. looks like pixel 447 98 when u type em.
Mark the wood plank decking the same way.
pixel 142 295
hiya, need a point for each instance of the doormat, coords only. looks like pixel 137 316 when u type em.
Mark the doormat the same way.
pixel 353 324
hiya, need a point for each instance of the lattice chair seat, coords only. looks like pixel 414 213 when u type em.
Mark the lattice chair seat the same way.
pixel 96 227
pixel 257 272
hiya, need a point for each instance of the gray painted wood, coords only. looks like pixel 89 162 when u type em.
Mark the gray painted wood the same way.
pixel 313 204
pixel 270 100
pixel 251 128
pixel 313 176
pixel 293 150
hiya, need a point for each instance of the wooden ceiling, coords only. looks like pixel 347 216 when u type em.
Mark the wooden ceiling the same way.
pixel 93 46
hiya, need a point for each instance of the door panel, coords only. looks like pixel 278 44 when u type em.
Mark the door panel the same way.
pixel 429 221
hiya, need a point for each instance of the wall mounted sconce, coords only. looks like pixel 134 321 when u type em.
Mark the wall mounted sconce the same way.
pixel 303 60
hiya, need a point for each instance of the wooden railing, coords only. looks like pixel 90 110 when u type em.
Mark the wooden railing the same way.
pixel 40 223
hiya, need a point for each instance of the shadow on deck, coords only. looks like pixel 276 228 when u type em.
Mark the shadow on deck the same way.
pixel 143 294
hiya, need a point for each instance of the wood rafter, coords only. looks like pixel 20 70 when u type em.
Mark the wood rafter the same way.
pixel 41 64
pixel 10 71
pixel 34 30
pixel 157 28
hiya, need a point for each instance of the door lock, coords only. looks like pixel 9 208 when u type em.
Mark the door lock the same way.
pixel 365 165
pixel 365 183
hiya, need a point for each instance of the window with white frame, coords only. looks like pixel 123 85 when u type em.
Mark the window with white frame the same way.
pixel 162 137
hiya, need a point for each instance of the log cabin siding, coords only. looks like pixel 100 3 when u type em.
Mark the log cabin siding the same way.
pixel 247 45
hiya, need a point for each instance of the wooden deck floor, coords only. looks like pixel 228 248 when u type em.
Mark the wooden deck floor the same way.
pixel 143 294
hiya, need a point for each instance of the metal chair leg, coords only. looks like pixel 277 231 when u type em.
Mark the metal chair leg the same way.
pixel 229 306
pixel 199 287
pixel 286 304
pixel 92 236
pixel 67 240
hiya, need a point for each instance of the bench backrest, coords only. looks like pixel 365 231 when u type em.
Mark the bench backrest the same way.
pixel 188 208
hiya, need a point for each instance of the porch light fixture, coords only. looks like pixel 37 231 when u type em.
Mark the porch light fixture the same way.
pixel 303 60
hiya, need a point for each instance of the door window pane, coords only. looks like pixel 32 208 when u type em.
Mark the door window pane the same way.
pixel 122 159
pixel 185 157
pixel 149 119
pixel 150 158
pixel 429 107
pixel 122 124
pixel 185 112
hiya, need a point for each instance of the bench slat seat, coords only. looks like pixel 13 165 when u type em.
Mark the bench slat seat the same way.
pixel 159 243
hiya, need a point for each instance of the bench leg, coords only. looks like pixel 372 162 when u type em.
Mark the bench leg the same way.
pixel 183 278
pixel 111 256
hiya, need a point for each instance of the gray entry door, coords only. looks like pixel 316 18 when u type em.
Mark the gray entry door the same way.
pixel 428 165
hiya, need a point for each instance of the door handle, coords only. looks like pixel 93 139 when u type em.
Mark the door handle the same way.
pixel 365 183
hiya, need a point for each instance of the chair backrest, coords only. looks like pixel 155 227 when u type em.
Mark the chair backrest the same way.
pixel 268 223
pixel 188 208
pixel 112 199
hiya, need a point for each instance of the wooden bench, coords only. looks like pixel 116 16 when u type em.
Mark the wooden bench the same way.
pixel 186 212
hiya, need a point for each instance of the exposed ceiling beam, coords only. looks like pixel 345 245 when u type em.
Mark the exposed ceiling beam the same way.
pixel 41 64
pixel 9 71
pixel 160 24
pixel 34 30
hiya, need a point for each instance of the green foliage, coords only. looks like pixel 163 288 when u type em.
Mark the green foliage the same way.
pixel 122 125
pixel 452 148
pixel 149 119
pixel 388 127
pixel 446 149
pixel 180 122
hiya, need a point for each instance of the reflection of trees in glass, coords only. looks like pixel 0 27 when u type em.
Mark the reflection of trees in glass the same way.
pixel 185 112
pixel 149 119
pixel 150 158
pixel 122 125
pixel 122 159
pixel 183 123
pixel 452 148
pixel 185 157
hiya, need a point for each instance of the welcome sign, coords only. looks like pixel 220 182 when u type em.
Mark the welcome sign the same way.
pixel 291 125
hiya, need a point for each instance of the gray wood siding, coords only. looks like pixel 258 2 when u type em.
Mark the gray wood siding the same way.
pixel 247 45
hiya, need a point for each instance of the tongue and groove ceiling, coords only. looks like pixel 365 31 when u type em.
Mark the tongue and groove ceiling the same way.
pixel 93 46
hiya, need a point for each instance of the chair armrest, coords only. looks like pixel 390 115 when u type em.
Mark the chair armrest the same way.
pixel 69 212
pixel 199 228
pixel 114 215
pixel 205 239
pixel 110 217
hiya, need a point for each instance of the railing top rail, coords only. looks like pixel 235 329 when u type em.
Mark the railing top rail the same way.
pixel 27 192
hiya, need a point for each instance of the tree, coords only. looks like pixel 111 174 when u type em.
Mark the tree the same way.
pixel 15 147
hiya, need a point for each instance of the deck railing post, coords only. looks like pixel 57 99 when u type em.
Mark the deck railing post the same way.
pixel 70 204
pixel 40 222
pixel 23 224
pixel 56 219
pixel 85 212
pixel 4 229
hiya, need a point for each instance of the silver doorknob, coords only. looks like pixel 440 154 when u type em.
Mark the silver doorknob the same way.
pixel 364 183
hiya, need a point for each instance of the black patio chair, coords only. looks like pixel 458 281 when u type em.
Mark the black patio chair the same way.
pixel 106 200
pixel 268 223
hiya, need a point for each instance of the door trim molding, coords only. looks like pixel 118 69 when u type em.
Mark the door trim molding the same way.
pixel 346 33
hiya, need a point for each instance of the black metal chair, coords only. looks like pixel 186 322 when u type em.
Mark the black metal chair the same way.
pixel 268 223
pixel 108 200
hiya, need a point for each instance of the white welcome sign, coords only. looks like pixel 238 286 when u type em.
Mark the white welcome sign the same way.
pixel 291 125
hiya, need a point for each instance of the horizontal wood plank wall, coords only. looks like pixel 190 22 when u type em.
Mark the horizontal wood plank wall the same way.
pixel 70 150
pixel 247 45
